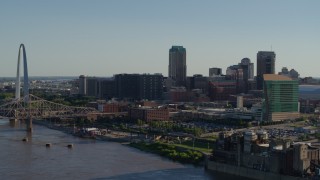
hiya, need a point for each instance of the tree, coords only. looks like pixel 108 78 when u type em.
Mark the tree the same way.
pixel 80 122
pixel 6 96
pixel 140 122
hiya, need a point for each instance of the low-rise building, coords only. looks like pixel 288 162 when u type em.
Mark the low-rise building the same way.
pixel 221 90
pixel 253 150
pixel 146 113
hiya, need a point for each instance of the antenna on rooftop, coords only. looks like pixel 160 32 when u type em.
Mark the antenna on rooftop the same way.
pixel 271 47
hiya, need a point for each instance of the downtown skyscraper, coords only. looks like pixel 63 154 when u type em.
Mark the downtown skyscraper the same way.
pixel 178 65
pixel 281 98
pixel 265 65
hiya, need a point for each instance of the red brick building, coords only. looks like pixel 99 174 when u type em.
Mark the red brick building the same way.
pixel 147 103
pixel 149 114
pixel 111 107
pixel 221 90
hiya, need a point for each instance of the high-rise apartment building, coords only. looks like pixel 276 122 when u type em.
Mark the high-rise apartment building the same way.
pixel 139 86
pixel 127 85
pixel 93 86
pixel 108 88
pixel 82 85
pixel 265 65
pixel 124 86
pixel 281 97
pixel 177 65
pixel 96 87
pixel 151 86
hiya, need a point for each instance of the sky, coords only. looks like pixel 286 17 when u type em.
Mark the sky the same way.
pixel 107 37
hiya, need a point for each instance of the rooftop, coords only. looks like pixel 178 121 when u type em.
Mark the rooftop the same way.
pixel 178 48
pixel 275 77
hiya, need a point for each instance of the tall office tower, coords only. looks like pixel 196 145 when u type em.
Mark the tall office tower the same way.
pixel 178 65
pixel 265 65
pixel 281 97
pixel 248 68
pixel 214 72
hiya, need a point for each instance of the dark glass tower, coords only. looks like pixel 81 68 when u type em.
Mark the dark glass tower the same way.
pixel 265 65
pixel 177 65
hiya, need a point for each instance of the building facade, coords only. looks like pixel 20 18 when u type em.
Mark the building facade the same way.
pixel 265 65
pixel 221 90
pixel 248 68
pixel 123 86
pixel 215 71
pixel 93 86
pixel 149 114
pixel 139 86
pixel 198 81
pixel 151 86
pixel 236 72
pixel 97 87
pixel 82 85
pixel 178 65
pixel 281 98
pixel 127 86
pixel 292 73
pixel 108 88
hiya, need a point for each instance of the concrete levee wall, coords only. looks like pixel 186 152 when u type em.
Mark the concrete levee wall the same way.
pixel 247 172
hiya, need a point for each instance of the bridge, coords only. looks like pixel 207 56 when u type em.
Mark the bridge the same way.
pixel 30 106
pixel 38 108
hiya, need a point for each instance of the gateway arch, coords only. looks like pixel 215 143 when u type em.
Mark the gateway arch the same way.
pixel 25 74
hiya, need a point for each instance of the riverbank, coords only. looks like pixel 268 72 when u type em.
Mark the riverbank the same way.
pixel 170 151
pixel 179 153
pixel 114 137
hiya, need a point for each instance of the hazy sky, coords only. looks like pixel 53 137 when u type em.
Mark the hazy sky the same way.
pixel 106 37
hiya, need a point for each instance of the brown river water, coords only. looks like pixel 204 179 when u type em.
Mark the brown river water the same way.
pixel 88 159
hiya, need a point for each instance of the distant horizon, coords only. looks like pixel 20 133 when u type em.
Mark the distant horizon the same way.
pixel 88 75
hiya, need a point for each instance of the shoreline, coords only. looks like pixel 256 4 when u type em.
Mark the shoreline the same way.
pixel 178 154
pixel 106 137
pixel 172 152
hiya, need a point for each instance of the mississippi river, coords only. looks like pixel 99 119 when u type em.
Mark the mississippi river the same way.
pixel 88 159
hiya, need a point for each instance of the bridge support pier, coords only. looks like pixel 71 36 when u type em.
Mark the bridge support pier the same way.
pixel 29 125
pixel 13 122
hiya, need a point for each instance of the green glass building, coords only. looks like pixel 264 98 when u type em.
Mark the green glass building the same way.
pixel 281 98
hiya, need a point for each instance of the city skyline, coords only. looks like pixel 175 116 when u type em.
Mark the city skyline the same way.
pixel 104 38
